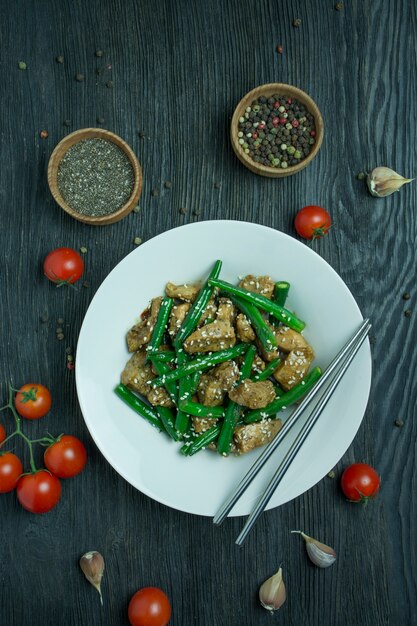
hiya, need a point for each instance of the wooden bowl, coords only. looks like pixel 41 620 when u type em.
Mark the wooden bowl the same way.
pixel 58 154
pixel 268 91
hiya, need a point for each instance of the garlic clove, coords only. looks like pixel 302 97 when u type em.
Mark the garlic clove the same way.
pixel 383 181
pixel 320 554
pixel 92 566
pixel 272 593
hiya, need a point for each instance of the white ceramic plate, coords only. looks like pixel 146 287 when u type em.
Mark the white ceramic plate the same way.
pixel 149 460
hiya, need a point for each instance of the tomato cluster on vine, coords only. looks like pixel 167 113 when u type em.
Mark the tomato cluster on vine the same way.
pixel 37 490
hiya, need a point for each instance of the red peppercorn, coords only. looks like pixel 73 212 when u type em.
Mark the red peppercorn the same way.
pixel 289 100
pixel 70 365
pixel 276 105
pixel 43 134
pixel 313 133
pixel 275 121
pixel 254 135
pixel 261 125
pixel 282 120
pixel 295 123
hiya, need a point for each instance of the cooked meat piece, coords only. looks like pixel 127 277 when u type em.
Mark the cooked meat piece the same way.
pixel 140 334
pixel 177 316
pixel 250 436
pixel 288 339
pixel 226 311
pixel 211 338
pixel 182 292
pixel 209 312
pixel 136 375
pixel 253 395
pixel 259 284
pixel 294 368
pixel 217 382
pixel 201 424
pixel 258 365
pixel 158 396
pixel 244 329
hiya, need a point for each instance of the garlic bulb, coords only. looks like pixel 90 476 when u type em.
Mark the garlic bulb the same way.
pixel 320 554
pixel 272 594
pixel 383 181
pixel 92 565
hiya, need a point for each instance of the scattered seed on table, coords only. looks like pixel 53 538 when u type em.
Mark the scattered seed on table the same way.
pixel 142 135
pixel 109 84
pixel 296 22
pixel 372 340
pixel 136 209
pixel 154 193
pixel 280 49
pixel 100 120
pixel 407 312
pixel 44 318
pixel 182 210
pixel 216 185
pixel 168 184
pixel 43 134
pixel 79 78
pixel 60 320
pixel 361 176
pixel 339 6
pixel 137 241
pixel 83 250
pixel 60 59
pixel 406 296
pixel 68 350
pixel 331 474
pixel 70 358
pixel 109 67
pixel 60 336
pixel 22 65
pixel 99 53
pixel 67 122
pixel 86 284
pixel 70 366
pixel 399 423
pixel 196 212
pixel 59 330
pixel 95 177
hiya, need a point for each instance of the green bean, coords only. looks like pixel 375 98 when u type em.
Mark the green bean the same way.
pixel 166 417
pixel 289 397
pixel 182 420
pixel 194 314
pixel 201 364
pixel 233 409
pixel 268 371
pixel 265 335
pixel 162 369
pixel 283 315
pixel 201 410
pixel 160 326
pixel 139 406
pixel 201 441
pixel 165 356
pixel 281 292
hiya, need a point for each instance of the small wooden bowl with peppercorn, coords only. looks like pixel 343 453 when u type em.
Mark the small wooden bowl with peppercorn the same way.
pixel 276 130
pixel 95 176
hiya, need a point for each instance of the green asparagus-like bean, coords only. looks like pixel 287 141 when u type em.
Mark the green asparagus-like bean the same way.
pixel 265 335
pixel 289 397
pixel 283 315
pixel 268 371
pixel 160 326
pixel 182 421
pixel 233 409
pixel 194 314
pixel 201 364
pixel 281 292
pixel 165 356
pixel 167 418
pixel 162 369
pixel 201 410
pixel 139 406
pixel 201 441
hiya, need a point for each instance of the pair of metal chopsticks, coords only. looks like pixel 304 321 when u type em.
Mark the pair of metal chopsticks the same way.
pixel 340 364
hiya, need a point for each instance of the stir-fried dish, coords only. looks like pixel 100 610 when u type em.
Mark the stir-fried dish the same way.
pixel 213 365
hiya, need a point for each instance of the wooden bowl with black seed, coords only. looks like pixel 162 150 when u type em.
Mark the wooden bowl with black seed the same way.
pixel 268 91
pixel 58 154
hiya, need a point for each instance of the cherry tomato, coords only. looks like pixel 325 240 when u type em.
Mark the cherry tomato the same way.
pixel 2 433
pixel 63 265
pixel 66 457
pixel 312 222
pixel 32 401
pixel 38 493
pixel 10 471
pixel 360 482
pixel 149 607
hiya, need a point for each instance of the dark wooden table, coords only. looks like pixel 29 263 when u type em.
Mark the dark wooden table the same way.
pixel 178 69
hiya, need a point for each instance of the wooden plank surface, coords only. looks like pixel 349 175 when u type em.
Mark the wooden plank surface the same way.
pixel 178 69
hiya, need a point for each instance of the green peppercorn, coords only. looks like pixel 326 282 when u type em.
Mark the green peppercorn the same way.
pixel 284 165
pixel 297 154
pixel 291 150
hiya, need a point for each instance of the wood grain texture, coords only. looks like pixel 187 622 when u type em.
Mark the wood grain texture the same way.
pixel 178 71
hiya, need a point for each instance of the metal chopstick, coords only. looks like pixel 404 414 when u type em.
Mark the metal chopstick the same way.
pixel 262 459
pixel 298 442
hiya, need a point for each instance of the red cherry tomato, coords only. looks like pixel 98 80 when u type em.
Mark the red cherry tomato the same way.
pixel 38 493
pixel 2 433
pixel 149 607
pixel 32 401
pixel 360 482
pixel 63 265
pixel 66 457
pixel 10 471
pixel 312 222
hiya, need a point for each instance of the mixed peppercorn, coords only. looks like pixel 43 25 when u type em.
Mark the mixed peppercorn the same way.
pixel 277 131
